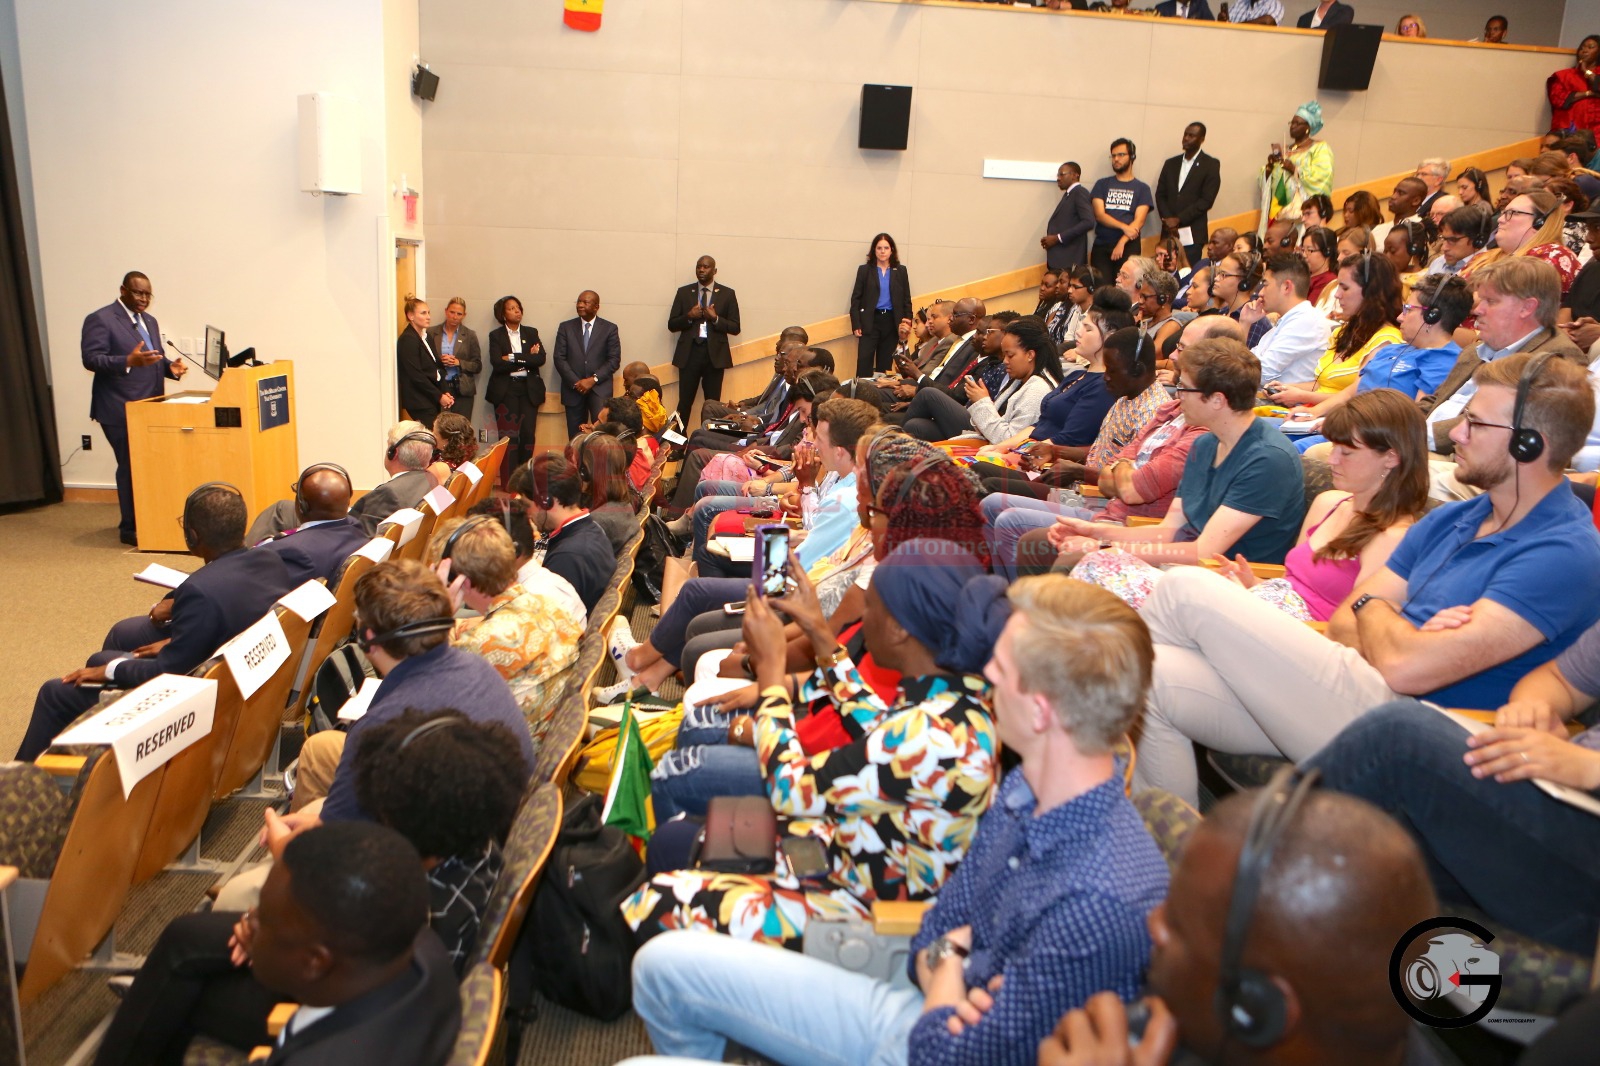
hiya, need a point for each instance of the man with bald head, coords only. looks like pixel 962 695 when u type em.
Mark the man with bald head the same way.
pixel 325 534
pixel 588 352
pixel 1404 204
pixel 1337 892
pixel 703 315
pixel 959 355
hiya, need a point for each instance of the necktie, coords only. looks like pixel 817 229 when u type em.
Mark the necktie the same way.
pixel 586 328
pixel 705 296
pixel 144 334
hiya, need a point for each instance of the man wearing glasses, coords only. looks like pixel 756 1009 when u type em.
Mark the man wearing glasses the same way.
pixel 1121 204
pixel 1462 236
pixel 1516 304
pixel 962 352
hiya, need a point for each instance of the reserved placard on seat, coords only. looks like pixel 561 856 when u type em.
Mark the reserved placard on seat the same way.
pixel 439 499
pixel 150 724
pixel 377 549
pixel 474 475
pixel 255 655
pixel 311 599
pixel 408 519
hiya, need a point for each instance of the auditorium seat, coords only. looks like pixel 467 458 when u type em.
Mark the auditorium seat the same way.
pixel 483 1005
pixel 1169 820
pixel 263 714
pixel 334 625
pixel 415 547
pixel 533 835
pixel 490 464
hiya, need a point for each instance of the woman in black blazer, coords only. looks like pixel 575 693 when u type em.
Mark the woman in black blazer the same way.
pixel 515 388
pixel 418 373
pixel 880 301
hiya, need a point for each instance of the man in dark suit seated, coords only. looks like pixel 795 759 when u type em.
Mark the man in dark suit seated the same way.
pixel 576 548
pixel 233 589
pixel 122 345
pixel 756 411
pixel 1185 9
pixel 1325 14
pixel 342 929
pixel 325 534
pixel 944 374
pixel 588 353
pixel 411 447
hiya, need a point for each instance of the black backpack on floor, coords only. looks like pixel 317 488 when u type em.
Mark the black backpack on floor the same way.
pixel 575 949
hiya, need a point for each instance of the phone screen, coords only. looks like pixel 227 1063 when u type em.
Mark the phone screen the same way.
pixel 772 546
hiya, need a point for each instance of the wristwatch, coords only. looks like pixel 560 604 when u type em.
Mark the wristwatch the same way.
pixel 942 949
pixel 838 655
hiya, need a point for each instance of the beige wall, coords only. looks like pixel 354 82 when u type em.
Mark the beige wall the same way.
pixel 558 160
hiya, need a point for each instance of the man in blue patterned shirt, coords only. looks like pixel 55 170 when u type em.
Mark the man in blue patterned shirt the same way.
pixel 1048 908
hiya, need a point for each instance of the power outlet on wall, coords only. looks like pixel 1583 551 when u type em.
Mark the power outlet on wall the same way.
pixel 88 443
pixel 483 436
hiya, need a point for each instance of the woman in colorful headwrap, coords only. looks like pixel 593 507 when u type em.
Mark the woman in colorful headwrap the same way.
pixel 1305 170
pixel 897 807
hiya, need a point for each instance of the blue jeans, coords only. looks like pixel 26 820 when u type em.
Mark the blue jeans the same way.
pixel 1009 516
pixel 696 991
pixel 697 596
pixel 702 766
pixel 1528 861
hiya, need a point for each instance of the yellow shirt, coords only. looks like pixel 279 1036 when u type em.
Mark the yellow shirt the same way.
pixel 1334 374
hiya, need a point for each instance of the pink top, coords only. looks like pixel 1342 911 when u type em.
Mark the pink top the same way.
pixel 1324 583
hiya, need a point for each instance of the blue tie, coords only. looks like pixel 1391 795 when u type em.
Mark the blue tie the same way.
pixel 138 323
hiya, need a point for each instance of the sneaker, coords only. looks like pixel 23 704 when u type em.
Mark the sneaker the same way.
pixel 120 984
pixel 609 694
pixel 618 643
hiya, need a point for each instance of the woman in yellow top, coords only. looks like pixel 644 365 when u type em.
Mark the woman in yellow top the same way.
pixel 1369 297
pixel 1306 169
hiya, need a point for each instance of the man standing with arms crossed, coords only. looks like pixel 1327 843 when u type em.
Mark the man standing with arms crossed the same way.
pixel 1121 204
pixel 122 346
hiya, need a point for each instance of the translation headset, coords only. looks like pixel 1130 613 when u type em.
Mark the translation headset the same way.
pixel 926 463
pixel 1252 269
pixel 419 628
pixel 432 725
pixel 189 501
pixel 1539 217
pixel 585 481
pixel 1252 1009
pixel 416 434
pixel 1486 228
pixel 474 522
pixel 1137 368
pixel 299 485
pixel 1527 443
pixel 1432 313
pixel 1416 239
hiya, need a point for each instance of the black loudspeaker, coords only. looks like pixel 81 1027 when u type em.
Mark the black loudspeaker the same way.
pixel 885 116
pixel 1348 53
pixel 424 83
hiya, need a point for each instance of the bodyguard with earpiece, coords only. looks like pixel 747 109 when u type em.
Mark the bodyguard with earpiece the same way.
pixel 233 589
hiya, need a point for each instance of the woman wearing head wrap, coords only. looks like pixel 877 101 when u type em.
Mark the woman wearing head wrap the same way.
pixel 896 808
pixel 1306 169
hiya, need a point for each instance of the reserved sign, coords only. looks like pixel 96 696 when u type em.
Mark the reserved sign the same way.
pixel 151 724
pixel 255 655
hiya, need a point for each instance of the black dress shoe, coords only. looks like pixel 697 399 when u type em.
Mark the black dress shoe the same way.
pixel 130 538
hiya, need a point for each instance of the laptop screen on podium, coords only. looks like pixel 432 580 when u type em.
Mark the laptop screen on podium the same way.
pixel 216 353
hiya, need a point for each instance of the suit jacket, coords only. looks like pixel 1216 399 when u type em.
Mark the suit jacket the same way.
pixel 947 378
pixel 1073 222
pixel 411 1021
pixel 1338 15
pixel 420 376
pixel 1467 363
pixel 726 305
pixel 467 352
pixel 573 363
pixel 1191 203
pixel 405 489
pixel 864 295
pixel 213 605
pixel 318 551
pixel 108 337
pixel 1198 9
pixel 502 386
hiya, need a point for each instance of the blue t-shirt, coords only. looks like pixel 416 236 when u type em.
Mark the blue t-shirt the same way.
pixel 1408 369
pixel 1531 569
pixel 1071 414
pixel 1121 199
pixel 1260 476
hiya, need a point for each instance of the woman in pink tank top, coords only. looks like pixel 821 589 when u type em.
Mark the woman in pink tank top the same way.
pixel 1380 477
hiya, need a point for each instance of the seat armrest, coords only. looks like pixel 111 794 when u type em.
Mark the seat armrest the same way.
pixel 61 765
pixel 898 917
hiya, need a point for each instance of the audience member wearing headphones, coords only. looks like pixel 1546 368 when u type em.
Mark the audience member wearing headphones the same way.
pixel 602 461
pixel 457 443
pixel 1532 226
pixel 1049 907
pixel 232 589
pixel 409 448
pixel 1290 350
pixel 1463 235
pixel 1241 490
pixel 1477 594
pixel 515 516
pixel 575 547
pixel 1370 300
pixel 324 534
pixel 1319 249
pixel 530 637
pixel 404 617
pixel 1273 946
pixel 448 785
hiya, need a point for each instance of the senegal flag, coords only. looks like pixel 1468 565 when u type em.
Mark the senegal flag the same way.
pixel 583 14
pixel 628 804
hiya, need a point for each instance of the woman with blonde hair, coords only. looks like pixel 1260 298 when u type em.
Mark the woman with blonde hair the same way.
pixel 1410 26
pixel 1533 224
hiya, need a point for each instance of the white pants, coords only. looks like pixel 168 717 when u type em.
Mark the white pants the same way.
pixel 1238 675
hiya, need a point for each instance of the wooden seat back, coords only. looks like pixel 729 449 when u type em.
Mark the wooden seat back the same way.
pixel 336 623
pixel 490 464
pixel 262 717
pixel 417 545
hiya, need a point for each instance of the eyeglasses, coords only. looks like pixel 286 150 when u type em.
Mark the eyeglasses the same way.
pixel 1188 388
pixel 1228 274
pixel 982 332
pixel 1473 424
pixel 1445 238
pixel 1517 211
pixel 874 511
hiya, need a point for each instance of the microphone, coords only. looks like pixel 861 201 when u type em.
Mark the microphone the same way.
pixel 168 342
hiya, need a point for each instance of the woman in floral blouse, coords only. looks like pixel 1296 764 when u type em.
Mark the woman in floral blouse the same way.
pixel 896 808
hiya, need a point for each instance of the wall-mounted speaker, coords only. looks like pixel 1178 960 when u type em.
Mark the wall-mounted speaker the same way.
pixel 1348 53
pixel 885 116
pixel 424 83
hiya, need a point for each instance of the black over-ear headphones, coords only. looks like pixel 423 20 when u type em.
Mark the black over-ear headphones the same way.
pixel 299 485
pixel 1252 270
pixel 926 463
pixel 1366 266
pixel 1527 444
pixel 1486 227
pixel 1137 368
pixel 419 628
pixel 1416 239
pixel 189 501
pixel 585 482
pixel 455 534
pixel 432 725
pixel 1252 1009
pixel 416 434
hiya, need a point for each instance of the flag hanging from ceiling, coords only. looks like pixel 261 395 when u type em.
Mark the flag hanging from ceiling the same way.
pixel 583 14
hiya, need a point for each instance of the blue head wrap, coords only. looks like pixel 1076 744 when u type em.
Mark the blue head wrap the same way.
pixel 942 596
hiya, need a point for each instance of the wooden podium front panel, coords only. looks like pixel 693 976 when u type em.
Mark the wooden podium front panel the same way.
pixel 176 447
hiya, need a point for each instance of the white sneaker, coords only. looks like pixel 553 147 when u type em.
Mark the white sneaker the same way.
pixel 618 643
pixel 609 694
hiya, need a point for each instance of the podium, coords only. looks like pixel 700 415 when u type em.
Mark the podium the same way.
pixel 242 433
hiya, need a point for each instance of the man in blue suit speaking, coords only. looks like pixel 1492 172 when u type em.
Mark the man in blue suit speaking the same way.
pixel 122 346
